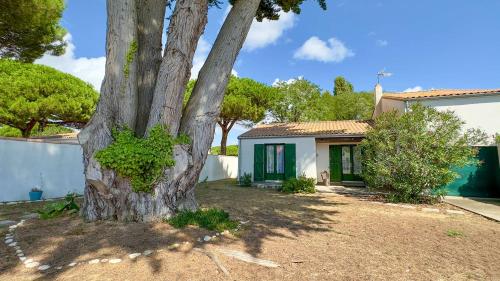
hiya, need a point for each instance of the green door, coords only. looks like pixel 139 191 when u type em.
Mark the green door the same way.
pixel 335 163
pixel 345 163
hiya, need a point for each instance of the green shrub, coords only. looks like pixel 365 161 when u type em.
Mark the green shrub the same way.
pixel 49 130
pixel 211 219
pixel 231 150
pixel 246 179
pixel 142 160
pixel 302 184
pixel 68 206
pixel 412 155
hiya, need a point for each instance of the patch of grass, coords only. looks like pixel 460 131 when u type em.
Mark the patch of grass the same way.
pixel 454 233
pixel 211 219
pixel 50 130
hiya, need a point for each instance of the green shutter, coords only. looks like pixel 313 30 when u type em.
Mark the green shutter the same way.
pixel 335 163
pixel 290 166
pixel 258 162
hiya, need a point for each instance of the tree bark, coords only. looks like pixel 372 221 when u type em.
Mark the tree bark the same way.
pixel 150 20
pixel 26 131
pixel 117 107
pixel 226 126
pixel 185 29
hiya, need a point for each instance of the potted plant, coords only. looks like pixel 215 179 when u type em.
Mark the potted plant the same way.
pixel 35 194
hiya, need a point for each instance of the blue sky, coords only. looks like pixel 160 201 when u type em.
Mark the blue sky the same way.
pixel 425 44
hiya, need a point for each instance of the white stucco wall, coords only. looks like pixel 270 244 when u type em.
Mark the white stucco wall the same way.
pixel 219 167
pixel 61 167
pixel 305 154
pixel 481 112
pixel 21 164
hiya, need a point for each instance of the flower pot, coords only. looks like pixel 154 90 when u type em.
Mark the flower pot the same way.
pixel 35 195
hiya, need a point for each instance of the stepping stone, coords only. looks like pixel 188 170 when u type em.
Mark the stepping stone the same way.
pixel 59 267
pixel 20 255
pixel 72 264
pixel 94 261
pixel 207 238
pixel 22 258
pixel 13 244
pixel 173 246
pixel 19 251
pixel 43 267
pixel 8 241
pixel 32 264
pixel 242 256
pixel 104 260
pixel 5 223
pixel 134 255
pixel 28 261
pixel 430 210
pixel 455 212
pixel 147 252
pixel 31 216
pixel 115 261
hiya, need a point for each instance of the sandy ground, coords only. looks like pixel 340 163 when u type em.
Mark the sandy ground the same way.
pixel 312 237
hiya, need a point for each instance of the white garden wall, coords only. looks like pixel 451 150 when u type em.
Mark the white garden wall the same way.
pixel 305 154
pixel 61 167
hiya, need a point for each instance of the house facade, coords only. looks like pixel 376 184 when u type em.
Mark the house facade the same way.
pixel 286 150
pixel 275 152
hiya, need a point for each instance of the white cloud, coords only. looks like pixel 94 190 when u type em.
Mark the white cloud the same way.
pixel 278 81
pixel 414 89
pixel 90 70
pixel 382 43
pixel 314 48
pixel 268 32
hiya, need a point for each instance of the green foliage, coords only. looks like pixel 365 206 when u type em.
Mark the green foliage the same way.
pixel 142 160
pixel 411 155
pixel 497 138
pixel 297 101
pixel 342 86
pixel 211 219
pixel 302 184
pixel 129 57
pixel 454 233
pixel 30 93
pixel 303 101
pixel 68 206
pixel 231 150
pixel 246 180
pixel 269 9
pixel 30 28
pixel 49 130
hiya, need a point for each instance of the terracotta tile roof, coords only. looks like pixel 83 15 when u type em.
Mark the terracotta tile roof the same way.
pixel 439 93
pixel 317 129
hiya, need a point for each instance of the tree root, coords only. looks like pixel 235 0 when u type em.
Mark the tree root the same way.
pixel 214 259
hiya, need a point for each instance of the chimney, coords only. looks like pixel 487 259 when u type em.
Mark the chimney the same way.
pixel 378 100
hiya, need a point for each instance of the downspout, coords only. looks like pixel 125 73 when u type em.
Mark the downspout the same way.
pixel 406 106
pixel 239 160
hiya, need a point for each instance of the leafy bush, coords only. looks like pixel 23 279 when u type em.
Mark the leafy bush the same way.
pixel 411 155
pixel 49 130
pixel 68 206
pixel 211 219
pixel 140 159
pixel 231 150
pixel 246 179
pixel 302 184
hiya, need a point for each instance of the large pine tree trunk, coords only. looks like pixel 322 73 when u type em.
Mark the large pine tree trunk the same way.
pixel 126 97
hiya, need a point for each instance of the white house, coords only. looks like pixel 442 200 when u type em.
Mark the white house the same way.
pixel 285 150
pixel 478 108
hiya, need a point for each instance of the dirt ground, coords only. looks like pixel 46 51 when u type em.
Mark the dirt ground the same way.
pixel 311 237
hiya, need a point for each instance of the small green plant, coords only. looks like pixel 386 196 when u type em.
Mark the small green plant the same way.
pixel 302 184
pixel 211 219
pixel 68 206
pixel 130 57
pixel 454 233
pixel 142 160
pixel 246 179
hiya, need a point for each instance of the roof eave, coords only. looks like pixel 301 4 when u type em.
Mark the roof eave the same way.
pixel 305 136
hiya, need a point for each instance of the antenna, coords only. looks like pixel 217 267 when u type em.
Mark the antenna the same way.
pixel 382 73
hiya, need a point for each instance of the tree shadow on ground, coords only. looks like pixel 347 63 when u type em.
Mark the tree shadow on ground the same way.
pixel 266 214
